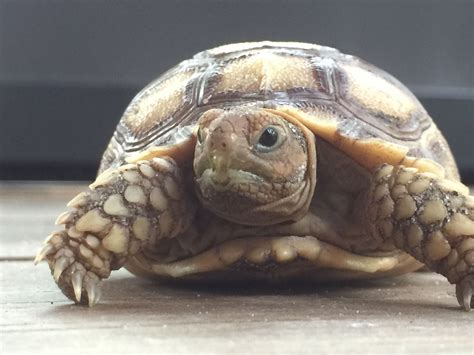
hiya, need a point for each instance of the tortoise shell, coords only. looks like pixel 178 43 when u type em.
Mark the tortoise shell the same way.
pixel 361 101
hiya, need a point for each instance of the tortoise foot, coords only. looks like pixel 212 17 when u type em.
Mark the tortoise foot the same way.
pixel 430 218
pixel 78 280
pixel 125 210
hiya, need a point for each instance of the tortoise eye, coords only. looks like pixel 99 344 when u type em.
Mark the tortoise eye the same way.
pixel 268 139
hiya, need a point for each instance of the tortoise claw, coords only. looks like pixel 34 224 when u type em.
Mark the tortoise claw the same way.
pixel 60 265
pixel 81 285
pixel 92 286
pixel 76 281
pixel 464 293
pixel 43 252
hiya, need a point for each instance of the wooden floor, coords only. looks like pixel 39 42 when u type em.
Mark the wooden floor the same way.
pixel 415 313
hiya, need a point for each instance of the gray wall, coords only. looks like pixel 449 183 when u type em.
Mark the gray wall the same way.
pixel 69 68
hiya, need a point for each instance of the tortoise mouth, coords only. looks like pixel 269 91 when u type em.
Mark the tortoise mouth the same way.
pixel 257 253
pixel 211 183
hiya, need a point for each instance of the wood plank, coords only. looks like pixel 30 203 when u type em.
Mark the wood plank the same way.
pixel 415 313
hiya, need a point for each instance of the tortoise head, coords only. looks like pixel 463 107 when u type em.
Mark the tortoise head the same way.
pixel 253 166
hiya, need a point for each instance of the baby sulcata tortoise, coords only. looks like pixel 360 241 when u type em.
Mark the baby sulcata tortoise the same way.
pixel 270 161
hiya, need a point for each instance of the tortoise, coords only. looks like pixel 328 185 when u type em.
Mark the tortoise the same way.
pixel 274 161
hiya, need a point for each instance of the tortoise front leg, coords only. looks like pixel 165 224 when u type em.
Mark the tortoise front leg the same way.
pixel 430 218
pixel 125 210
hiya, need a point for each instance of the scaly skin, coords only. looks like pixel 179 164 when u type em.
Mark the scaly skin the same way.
pixel 125 210
pixel 430 218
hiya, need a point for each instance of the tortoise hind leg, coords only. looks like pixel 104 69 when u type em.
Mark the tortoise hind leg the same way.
pixel 430 218
pixel 125 210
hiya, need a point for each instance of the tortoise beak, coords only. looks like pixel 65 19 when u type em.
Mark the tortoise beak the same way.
pixel 221 151
pixel 220 168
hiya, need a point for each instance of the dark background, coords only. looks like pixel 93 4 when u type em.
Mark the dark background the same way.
pixel 69 68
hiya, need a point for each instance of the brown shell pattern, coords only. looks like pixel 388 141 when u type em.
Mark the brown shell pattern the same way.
pixel 362 99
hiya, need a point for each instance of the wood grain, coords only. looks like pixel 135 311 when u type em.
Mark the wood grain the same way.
pixel 415 313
